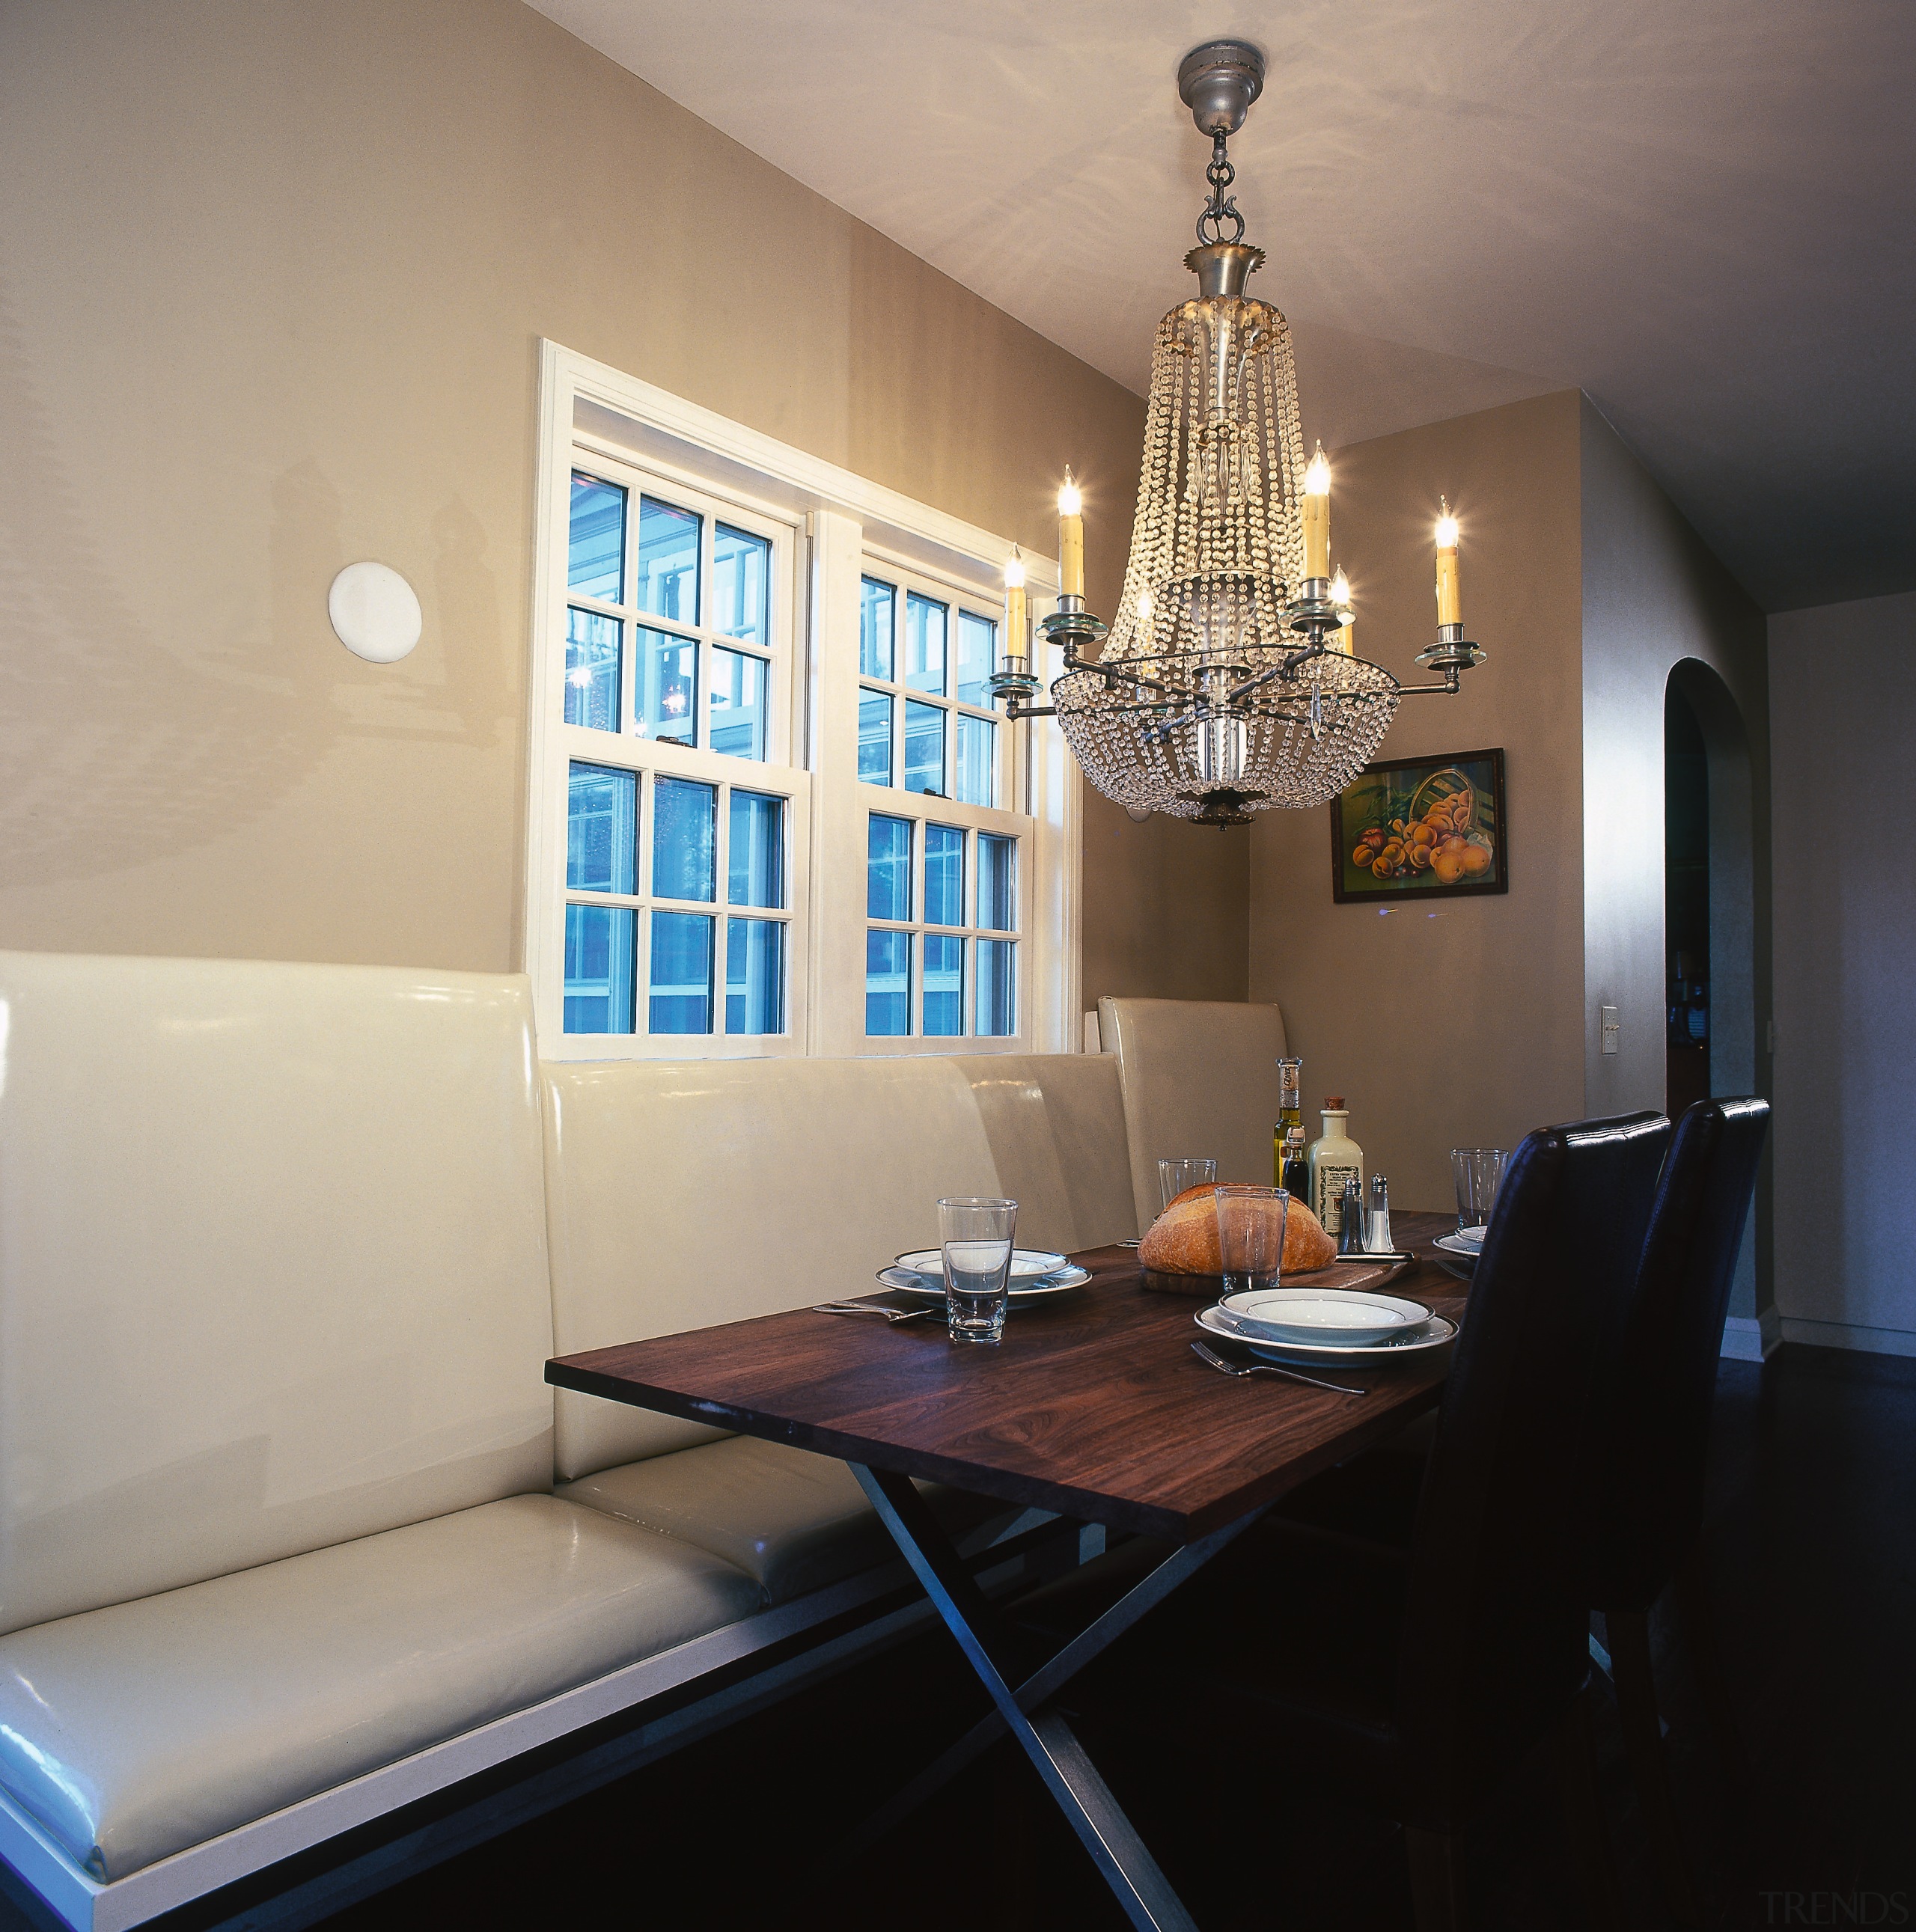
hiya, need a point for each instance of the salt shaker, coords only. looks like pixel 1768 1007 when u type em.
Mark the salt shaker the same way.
pixel 1376 1222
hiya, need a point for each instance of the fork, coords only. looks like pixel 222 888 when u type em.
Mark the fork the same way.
pixel 1217 1361
pixel 894 1315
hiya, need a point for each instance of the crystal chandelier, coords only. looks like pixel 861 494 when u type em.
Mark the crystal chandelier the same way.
pixel 1226 684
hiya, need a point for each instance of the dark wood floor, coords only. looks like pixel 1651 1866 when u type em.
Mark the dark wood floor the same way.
pixel 1813 1544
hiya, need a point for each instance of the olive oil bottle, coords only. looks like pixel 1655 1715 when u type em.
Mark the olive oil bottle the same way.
pixel 1288 1167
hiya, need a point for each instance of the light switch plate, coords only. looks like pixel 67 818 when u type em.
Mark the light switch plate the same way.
pixel 1612 1028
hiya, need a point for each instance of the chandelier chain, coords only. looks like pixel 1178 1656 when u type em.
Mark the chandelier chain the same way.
pixel 1218 210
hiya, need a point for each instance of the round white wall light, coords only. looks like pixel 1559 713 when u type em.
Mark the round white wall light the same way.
pixel 374 612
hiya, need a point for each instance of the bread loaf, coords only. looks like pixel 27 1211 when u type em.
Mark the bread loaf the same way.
pixel 1183 1240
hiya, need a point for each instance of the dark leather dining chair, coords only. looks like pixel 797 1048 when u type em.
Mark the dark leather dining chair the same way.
pixel 1641 1486
pixel 1417 1682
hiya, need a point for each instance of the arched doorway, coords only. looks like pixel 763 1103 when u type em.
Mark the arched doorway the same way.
pixel 1710 930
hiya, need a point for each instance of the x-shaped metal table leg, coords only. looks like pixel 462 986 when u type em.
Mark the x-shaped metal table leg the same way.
pixel 1053 1748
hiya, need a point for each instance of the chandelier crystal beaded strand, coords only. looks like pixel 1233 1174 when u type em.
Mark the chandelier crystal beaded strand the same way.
pixel 1223 688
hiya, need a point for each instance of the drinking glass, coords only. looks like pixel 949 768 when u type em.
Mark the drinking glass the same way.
pixel 976 1235
pixel 1250 1234
pixel 1479 1173
pixel 1174 1176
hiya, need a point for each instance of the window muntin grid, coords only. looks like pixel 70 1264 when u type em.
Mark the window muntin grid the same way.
pixel 670 623
pixel 942 940
pixel 925 721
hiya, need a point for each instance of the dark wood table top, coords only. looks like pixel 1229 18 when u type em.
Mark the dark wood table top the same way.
pixel 1094 1406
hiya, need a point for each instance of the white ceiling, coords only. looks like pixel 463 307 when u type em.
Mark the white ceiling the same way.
pixel 1702 213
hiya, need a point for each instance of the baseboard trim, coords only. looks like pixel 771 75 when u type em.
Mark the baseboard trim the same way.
pixel 1847 1335
pixel 1745 1340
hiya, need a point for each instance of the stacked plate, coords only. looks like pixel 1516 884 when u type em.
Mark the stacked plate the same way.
pixel 1326 1324
pixel 1459 1253
pixel 1036 1273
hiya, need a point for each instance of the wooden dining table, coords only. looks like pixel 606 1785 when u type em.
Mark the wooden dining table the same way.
pixel 1094 1407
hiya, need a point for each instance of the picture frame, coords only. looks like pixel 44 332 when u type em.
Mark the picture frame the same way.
pixel 1436 827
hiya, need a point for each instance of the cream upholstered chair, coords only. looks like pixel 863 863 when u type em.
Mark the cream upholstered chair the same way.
pixel 1199 1078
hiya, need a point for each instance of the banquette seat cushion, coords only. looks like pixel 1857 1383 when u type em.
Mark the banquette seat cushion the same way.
pixel 134 1731
pixel 791 1521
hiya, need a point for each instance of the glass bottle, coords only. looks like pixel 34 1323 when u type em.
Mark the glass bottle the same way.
pixel 1333 1160
pixel 1288 1167
pixel 1377 1218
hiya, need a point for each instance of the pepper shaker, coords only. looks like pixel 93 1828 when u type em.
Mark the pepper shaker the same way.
pixel 1350 1219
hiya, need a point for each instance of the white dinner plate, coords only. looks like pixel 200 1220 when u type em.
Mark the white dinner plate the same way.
pixel 931 1287
pixel 1433 1334
pixel 1345 1317
pixel 1455 1244
pixel 1467 1238
pixel 1027 1263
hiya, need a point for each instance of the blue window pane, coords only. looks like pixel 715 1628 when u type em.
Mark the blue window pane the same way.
pixel 924 644
pixel 738 704
pixel 874 737
pixel 874 620
pixel 945 878
pixel 755 976
pixel 978 761
pixel 592 669
pixel 888 869
pixel 756 865
pixel 741 569
pixel 602 830
pixel 668 561
pixel 598 961
pixel 998 980
pixel 945 984
pixel 665 676
pixel 684 840
pixel 595 559
pixel 998 885
pixel 681 972
pixel 924 748
pixel 887 983
pixel 978 645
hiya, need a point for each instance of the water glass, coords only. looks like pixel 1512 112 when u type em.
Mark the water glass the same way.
pixel 976 1235
pixel 1479 1173
pixel 1174 1176
pixel 1250 1234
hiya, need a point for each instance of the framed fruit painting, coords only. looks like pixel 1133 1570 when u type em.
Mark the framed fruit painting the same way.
pixel 1423 828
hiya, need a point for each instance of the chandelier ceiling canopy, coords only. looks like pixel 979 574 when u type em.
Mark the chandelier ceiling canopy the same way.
pixel 1226 684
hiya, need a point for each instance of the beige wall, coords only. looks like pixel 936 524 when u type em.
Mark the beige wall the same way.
pixel 1454 1021
pixel 1657 602
pixel 272 279
pixel 1843 714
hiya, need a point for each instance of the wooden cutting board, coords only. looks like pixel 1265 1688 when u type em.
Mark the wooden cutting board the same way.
pixel 1370 1276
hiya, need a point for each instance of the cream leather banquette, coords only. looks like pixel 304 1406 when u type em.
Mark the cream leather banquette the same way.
pixel 292 1531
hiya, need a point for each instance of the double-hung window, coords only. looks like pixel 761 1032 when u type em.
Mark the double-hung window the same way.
pixel 771 808
pixel 682 806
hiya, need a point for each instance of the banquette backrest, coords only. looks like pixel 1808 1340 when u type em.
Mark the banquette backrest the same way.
pixel 1198 1079
pixel 272 1264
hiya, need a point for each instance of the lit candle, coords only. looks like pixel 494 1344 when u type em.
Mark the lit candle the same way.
pixel 1070 540
pixel 1014 605
pixel 1339 639
pixel 1449 606
pixel 1317 517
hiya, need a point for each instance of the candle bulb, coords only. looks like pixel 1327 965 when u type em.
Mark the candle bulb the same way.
pixel 1339 640
pixel 1317 517
pixel 1014 604
pixel 1449 605
pixel 1070 539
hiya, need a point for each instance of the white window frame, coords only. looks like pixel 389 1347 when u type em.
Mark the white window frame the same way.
pixel 835 523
